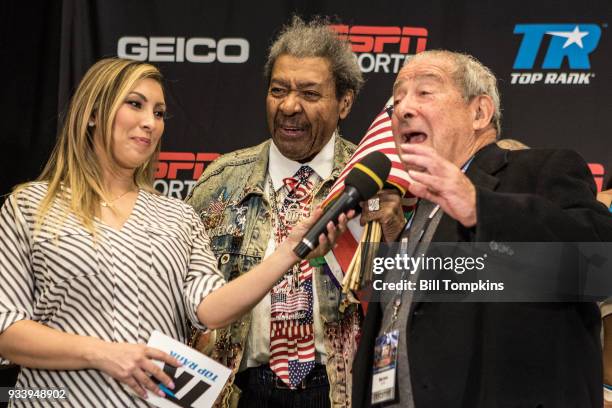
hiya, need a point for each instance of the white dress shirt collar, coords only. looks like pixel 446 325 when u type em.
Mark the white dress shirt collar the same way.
pixel 280 167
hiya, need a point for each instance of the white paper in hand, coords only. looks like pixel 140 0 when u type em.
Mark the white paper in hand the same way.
pixel 197 383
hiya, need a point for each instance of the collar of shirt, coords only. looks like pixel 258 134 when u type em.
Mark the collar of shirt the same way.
pixel 280 167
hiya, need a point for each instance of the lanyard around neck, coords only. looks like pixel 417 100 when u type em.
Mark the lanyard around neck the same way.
pixel 397 300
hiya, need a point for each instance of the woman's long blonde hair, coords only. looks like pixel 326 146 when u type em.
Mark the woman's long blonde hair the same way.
pixel 73 163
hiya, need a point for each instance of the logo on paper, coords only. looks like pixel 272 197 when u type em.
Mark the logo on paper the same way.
pixel 564 48
pixel 187 387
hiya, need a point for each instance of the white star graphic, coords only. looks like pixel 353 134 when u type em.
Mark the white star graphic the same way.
pixel 573 37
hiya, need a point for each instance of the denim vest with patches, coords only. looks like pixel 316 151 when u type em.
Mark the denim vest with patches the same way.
pixel 230 199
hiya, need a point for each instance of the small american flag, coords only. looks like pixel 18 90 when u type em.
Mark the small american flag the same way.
pixel 378 137
pixel 292 350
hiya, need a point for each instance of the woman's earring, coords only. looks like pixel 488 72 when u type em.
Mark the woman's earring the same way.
pixel 91 123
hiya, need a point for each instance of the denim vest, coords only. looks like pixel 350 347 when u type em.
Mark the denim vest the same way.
pixel 229 197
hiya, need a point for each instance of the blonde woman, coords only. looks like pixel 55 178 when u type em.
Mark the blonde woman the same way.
pixel 92 259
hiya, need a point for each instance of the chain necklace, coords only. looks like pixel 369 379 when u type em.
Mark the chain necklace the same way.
pixel 278 223
pixel 110 204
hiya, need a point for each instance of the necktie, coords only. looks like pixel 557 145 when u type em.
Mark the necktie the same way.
pixel 292 348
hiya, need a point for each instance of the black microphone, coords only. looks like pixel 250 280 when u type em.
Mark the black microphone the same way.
pixel 363 181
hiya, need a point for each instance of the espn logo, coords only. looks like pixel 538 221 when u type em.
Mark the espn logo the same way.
pixel 598 174
pixel 383 48
pixel 374 39
pixel 191 166
pixel 171 162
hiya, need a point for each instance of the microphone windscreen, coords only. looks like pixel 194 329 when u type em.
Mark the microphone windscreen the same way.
pixel 369 175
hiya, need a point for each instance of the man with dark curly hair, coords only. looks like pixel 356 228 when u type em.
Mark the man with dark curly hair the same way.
pixel 295 348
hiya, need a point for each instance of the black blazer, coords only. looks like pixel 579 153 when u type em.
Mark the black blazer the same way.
pixel 507 354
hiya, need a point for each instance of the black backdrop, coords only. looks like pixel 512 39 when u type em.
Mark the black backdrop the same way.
pixel 212 55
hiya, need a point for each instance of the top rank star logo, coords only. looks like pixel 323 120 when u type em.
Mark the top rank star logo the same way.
pixel 569 45
pixel 573 37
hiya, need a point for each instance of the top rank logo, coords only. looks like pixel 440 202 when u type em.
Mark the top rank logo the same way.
pixel 383 48
pixel 566 45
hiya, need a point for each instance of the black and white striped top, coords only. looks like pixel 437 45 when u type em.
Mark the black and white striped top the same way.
pixel 150 275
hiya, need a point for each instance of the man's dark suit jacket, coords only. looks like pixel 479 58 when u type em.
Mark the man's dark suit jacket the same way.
pixel 507 354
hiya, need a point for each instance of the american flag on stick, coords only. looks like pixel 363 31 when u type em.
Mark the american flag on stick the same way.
pixel 378 137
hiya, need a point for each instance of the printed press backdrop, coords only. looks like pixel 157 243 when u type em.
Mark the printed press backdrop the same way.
pixel 553 60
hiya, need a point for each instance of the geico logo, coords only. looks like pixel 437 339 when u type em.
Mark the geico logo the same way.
pixel 377 39
pixel 169 163
pixel 179 49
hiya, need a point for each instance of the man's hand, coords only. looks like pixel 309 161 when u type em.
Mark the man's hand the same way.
pixel 440 182
pixel 389 213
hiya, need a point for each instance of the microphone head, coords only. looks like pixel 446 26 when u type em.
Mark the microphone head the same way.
pixel 369 175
